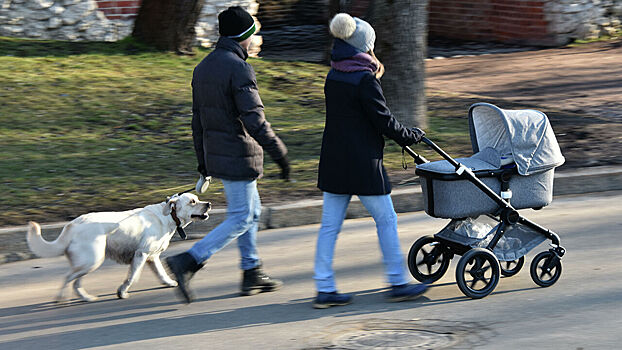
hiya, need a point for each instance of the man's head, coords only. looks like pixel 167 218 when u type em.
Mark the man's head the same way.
pixel 237 24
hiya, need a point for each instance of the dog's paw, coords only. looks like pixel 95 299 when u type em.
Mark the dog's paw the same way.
pixel 170 283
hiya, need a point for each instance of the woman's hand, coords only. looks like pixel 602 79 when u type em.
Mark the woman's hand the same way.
pixel 418 134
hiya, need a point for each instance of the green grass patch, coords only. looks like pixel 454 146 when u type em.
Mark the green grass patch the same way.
pixel 106 126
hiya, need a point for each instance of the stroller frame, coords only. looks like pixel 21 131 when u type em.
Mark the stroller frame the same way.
pixel 482 259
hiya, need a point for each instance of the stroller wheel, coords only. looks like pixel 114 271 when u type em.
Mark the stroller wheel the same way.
pixel 546 268
pixel 428 259
pixel 477 273
pixel 511 268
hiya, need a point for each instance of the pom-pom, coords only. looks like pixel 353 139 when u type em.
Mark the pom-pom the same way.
pixel 342 26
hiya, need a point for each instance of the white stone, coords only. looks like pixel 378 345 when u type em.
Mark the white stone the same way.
pixel 57 10
pixel 84 25
pixel 575 8
pixel 13 30
pixel 95 32
pixel 67 33
pixel 54 23
pixel 75 13
pixel 39 15
pixel 17 20
pixel 209 10
pixel 603 21
pixel 610 31
pixel 40 4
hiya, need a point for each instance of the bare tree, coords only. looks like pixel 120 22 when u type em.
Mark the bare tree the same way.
pixel 168 24
pixel 402 32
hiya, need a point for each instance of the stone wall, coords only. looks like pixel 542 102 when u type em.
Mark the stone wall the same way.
pixel 551 22
pixel 72 20
pixel 98 20
pixel 583 19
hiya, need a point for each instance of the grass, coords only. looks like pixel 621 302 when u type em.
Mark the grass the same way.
pixel 603 38
pixel 106 126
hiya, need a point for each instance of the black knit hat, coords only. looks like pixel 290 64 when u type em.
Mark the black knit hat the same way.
pixel 236 23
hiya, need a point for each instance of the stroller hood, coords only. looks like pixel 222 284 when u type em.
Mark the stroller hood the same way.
pixel 525 134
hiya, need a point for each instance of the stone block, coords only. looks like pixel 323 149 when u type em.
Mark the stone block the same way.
pixel 55 22
pixel 57 10
pixel 38 15
pixel 40 4
pixel 15 21
pixel 12 30
pixel 73 14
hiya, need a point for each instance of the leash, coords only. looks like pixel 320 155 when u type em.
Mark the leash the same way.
pixel 180 230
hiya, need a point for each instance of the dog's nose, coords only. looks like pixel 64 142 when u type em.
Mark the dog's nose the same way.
pixel 209 205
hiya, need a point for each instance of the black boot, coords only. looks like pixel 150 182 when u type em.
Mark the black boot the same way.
pixel 183 266
pixel 256 281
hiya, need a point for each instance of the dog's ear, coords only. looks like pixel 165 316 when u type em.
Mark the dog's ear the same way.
pixel 170 204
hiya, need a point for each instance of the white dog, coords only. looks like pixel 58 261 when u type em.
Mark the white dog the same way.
pixel 132 237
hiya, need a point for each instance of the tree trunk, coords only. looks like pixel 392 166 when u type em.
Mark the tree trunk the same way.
pixel 168 24
pixel 401 44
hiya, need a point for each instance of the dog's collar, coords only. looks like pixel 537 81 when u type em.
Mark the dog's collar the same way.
pixel 180 229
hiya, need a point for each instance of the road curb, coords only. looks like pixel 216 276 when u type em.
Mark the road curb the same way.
pixel 306 212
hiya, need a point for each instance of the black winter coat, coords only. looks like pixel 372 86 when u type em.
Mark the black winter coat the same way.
pixel 228 124
pixel 357 117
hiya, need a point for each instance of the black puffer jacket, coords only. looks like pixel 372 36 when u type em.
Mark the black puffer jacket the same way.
pixel 228 124
pixel 357 117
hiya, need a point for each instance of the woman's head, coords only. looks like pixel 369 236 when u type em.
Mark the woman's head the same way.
pixel 358 34
pixel 353 31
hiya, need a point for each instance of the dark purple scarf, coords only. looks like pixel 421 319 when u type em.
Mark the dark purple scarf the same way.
pixel 359 62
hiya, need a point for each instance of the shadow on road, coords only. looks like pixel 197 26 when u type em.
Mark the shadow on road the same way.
pixel 366 302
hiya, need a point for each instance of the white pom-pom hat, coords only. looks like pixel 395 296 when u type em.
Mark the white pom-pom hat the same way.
pixel 354 31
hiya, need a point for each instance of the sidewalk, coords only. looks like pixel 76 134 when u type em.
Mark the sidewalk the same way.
pixel 581 310
pixel 405 199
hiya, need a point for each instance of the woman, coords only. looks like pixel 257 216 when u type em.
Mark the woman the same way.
pixel 351 158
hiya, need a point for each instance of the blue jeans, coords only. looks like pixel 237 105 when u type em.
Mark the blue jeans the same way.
pixel 333 213
pixel 243 211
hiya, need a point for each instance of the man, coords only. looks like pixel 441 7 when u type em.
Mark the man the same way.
pixel 230 133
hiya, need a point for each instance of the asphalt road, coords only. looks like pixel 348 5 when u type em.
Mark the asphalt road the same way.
pixel 581 311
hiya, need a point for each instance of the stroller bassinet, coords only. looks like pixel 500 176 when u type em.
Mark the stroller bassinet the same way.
pixel 522 138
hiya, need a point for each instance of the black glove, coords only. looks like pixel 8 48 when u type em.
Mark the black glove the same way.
pixel 284 164
pixel 418 134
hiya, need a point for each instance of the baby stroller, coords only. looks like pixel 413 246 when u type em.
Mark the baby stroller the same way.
pixel 515 156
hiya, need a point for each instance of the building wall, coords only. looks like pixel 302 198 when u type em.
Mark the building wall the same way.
pixel 544 22
pixel 99 20
pixel 125 10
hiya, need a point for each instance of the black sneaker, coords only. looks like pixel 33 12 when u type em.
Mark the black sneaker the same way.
pixel 183 266
pixel 256 281
pixel 326 300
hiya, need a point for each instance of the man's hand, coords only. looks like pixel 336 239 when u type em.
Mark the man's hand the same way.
pixel 203 183
pixel 284 164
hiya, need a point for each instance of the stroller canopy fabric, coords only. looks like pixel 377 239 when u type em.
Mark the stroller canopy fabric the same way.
pixel 524 134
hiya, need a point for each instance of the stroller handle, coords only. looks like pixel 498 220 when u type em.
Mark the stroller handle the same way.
pixel 421 160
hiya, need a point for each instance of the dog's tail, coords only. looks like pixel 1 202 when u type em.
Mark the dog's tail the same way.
pixel 43 248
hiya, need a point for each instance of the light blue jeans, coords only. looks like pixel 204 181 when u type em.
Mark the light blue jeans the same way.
pixel 243 211
pixel 333 213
